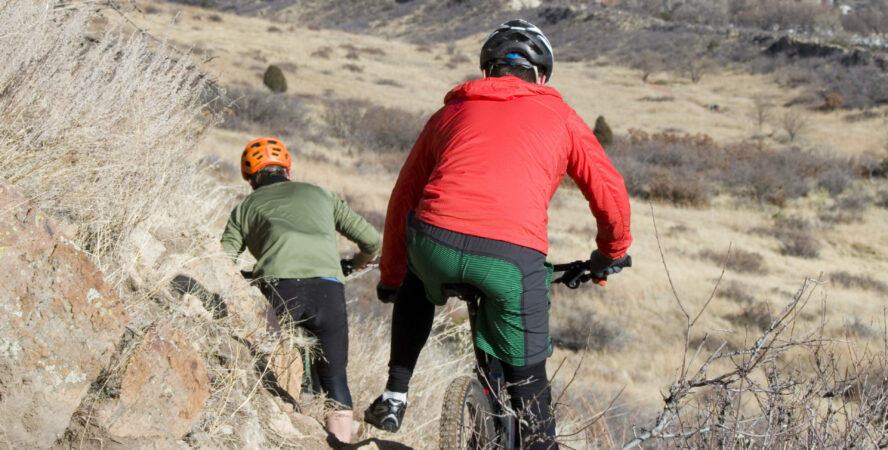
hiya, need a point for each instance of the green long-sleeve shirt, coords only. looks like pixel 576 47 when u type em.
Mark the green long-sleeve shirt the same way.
pixel 290 228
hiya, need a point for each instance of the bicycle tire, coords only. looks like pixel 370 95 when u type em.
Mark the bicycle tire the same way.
pixel 467 420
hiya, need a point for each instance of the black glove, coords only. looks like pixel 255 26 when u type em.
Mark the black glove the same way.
pixel 601 266
pixel 386 294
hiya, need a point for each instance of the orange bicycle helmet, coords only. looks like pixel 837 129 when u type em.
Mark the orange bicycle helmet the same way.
pixel 263 152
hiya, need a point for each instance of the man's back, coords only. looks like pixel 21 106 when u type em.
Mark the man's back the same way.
pixel 291 227
pixel 488 163
pixel 502 147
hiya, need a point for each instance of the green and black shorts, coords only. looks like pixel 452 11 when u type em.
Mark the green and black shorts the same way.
pixel 513 317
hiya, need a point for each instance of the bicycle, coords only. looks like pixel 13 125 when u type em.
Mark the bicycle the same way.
pixel 475 414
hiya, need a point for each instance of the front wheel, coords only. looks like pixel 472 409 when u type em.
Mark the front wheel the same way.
pixel 467 420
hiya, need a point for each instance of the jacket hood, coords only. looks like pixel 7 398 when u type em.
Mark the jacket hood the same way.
pixel 498 89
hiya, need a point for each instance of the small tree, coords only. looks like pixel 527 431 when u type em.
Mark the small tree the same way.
pixel 603 132
pixel 761 110
pixel 647 61
pixel 794 122
pixel 274 79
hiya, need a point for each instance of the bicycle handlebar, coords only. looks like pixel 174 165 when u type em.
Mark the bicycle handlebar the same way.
pixel 578 272
pixel 347 265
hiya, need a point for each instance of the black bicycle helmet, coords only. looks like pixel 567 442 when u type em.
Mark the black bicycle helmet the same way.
pixel 518 42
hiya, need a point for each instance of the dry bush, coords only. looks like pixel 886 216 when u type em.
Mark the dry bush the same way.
pixel 764 396
pixel 688 169
pixel 761 110
pixel 794 123
pixel 866 282
pixel 89 126
pixel 584 330
pixel 658 99
pixel 882 200
pixel 362 125
pixel 260 111
pixel 833 101
pixel 737 260
pixel 846 209
pixel 736 291
pixel 389 82
pixel 322 52
pixel 795 236
pixel 756 315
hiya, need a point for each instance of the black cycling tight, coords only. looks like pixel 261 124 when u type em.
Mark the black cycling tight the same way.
pixel 319 305
pixel 411 325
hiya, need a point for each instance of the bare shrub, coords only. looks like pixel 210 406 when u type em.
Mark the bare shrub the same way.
pixel 799 243
pixel 364 125
pixel 647 61
pixel 736 291
pixel 695 66
pixel 794 123
pixel 761 110
pixel 258 110
pixel 756 315
pixel 833 101
pixel 737 260
pixel 882 200
pixel 584 330
pixel 322 52
pixel 353 68
pixel 764 396
pixel 457 58
pixel 870 166
pixel 795 237
pixel 688 169
pixel 858 328
pixel 683 190
pixel 389 82
pixel 658 99
pixel 847 209
pixel 865 282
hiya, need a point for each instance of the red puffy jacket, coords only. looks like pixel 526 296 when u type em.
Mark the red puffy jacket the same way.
pixel 489 161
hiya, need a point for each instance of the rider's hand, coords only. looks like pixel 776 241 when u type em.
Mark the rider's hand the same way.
pixel 385 293
pixel 603 266
pixel 360 260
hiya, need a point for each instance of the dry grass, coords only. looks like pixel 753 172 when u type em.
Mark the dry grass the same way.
pixel 92 128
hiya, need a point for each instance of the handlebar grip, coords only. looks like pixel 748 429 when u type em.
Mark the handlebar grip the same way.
pixel 347 266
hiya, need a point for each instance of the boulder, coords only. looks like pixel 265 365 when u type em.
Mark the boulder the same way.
pixel 61 322
pixel 286 364
pixel 163 389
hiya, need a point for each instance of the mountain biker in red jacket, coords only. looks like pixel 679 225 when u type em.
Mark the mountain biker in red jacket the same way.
pixel 470 206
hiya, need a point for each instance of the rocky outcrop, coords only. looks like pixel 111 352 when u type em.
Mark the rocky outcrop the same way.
pixel 61 322
pixel 162 391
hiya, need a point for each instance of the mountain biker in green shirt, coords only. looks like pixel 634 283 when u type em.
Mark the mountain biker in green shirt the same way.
pixel 290 228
